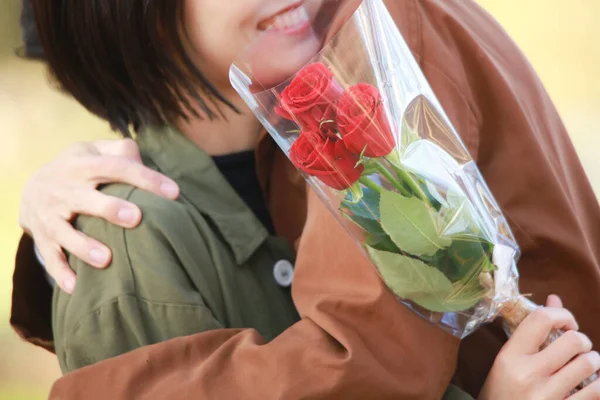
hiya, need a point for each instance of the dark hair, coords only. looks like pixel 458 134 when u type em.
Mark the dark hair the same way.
pixel 31 48
pixel 124 60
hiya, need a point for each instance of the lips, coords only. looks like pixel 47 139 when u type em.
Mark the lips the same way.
pixel 287 19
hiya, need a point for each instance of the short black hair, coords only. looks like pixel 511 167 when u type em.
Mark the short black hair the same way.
pixel 124 60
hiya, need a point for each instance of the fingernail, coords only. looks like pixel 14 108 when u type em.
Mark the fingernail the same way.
pixel 69 285
pixel 126 215
pixel 169 189
pixel 98 256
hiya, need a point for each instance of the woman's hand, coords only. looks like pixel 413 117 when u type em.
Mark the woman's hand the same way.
pixel 67 186
pixel 523 371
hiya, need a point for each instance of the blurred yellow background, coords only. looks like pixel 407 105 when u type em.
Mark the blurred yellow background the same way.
pixel 560 37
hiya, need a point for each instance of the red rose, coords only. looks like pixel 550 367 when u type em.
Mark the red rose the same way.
pixel 309 98
pixel 362 122
pixel 326 159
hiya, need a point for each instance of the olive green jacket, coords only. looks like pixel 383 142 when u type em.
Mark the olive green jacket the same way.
pixel 201 262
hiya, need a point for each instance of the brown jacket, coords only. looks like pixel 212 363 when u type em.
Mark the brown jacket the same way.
pixel 355 341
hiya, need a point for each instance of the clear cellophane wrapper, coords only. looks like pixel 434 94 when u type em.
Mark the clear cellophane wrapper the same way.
pixel 340 92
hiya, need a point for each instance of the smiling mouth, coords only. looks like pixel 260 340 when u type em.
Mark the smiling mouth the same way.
pixel 291 19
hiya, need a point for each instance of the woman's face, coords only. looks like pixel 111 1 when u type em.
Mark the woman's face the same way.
pixel 274 37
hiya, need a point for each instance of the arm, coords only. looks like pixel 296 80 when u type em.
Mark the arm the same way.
pixel 509 124
pixel 354 341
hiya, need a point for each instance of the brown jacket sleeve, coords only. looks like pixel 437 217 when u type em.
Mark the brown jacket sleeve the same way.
pixel 355 341
pixel 525 154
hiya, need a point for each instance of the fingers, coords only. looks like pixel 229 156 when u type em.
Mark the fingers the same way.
pixel 564 349
pixel 56 265
pixel 534 330
pixel 133 173
pixel 108 169
pixel 63 235
pixel 576 371
pixel 590 392
pixel 554 301
pixel 112 209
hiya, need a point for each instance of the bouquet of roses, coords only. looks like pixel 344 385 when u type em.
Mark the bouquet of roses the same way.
pixel 337 87
pixel 423 238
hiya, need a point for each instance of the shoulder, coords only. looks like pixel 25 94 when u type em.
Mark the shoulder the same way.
pixel 151 261
pixel 158 207
pixel 148 282
pixel 161 218
pixel 168 228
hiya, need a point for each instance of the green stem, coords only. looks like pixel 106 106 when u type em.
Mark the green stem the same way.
pixel 384 171
pixel 370 184
pixel 414 186
pixel 409 180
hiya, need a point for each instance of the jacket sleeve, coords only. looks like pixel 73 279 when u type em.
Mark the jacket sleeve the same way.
pixel 354 341
pixel 524 152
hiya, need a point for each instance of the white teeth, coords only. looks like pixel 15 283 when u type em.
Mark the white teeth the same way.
pixel 291 18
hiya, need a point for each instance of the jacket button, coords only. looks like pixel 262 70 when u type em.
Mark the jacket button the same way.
pixel 283 272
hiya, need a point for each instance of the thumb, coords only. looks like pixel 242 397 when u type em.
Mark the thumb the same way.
pixel 554 301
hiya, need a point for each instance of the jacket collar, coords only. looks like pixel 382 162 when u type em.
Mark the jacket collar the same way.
pixel 204 187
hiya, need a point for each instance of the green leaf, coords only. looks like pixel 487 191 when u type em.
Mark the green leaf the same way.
pixel 439 260
pixel 367 207
pixel 467 260
pixel 464 257
pixel 369 225
pixel 412 279
pixel 381 242
pixel 410 224
pixel 466 293
pixel 376 236
pixel 460 219
pixel 488 266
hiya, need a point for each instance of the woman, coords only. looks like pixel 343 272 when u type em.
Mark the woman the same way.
pixel 178 273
